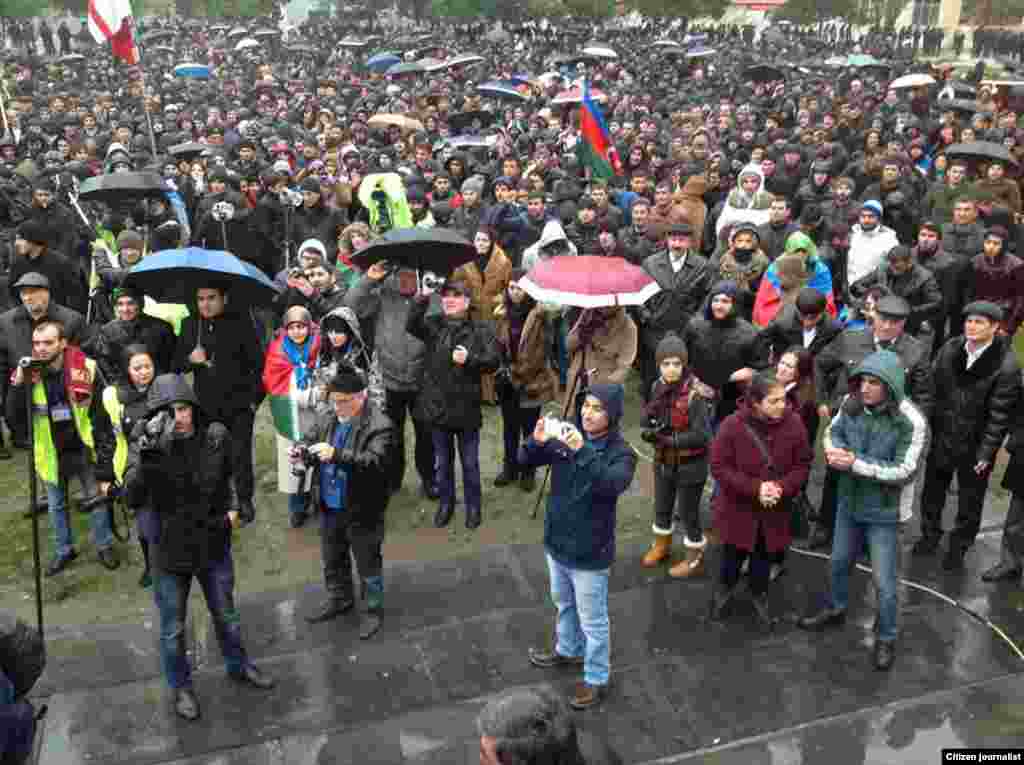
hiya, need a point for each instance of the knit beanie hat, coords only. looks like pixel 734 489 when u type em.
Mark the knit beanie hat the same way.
pixel 671 346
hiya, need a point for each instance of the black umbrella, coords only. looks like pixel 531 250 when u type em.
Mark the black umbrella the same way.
pixel 462 121
pixel 430 249
pixel 115 188
pixel 957 105
pixel 763 73
pixel 981 150
pixel 189 150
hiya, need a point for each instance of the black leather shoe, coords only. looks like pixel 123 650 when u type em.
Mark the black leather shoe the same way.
pixel 443 516
pixel 186 705
pixel 473 518
pixel 820 537
pixel 109 559
pixel 827 617
pixel 505 477
pixel 60 563
pixel 885 652
pixel 251 675
pixel 329 609
pixel 549 659
pixel 925 546
pixel 1002 572
pixel 246 511
pixel 764 617
pixel 297 520
pixel 953 560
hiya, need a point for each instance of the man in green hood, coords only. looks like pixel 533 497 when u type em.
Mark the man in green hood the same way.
pixel 876 444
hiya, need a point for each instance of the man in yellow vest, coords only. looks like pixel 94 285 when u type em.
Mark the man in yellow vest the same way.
pixel 61 386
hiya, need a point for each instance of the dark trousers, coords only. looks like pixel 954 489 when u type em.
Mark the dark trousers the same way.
pixel 760 565
pixel 649 371
pixel 517 425
pixel 971 490
pixel 676 495
pixel 1012 548
pixel 469 456
pixel 240 424
pixel 398 405
pixel 827 509
pixel 341 537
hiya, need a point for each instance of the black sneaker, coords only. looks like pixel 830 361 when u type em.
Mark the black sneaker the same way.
pixel 298 520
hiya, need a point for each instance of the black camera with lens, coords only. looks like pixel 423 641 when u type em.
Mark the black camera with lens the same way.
pixel 304 459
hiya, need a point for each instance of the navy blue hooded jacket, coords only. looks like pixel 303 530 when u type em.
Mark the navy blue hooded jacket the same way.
pixel 579 527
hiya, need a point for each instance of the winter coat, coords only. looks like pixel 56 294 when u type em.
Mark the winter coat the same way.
pixel 67 285
pixel 636 244
pixel 690 200
pixel 383 312
pixel 681 296
pixel 747 278
pixel 450 396
pixel 719 348
pixel 135 405
pixel 319 222
pixel 867 250
pixel 832 367
pixel 888 443
pixel 964 241
pixel 486 286
pixel 974 408
pixel 188 487
pixel 370 445
pixel 786 331
pixel 739 209
pixel 740 469
pixel 773 237
pixel 233 381
pixel 552 232
pixel 611 352
pixel 1013 478
pixel 531 371
pixel 1002 282
pixel 940 200
pixel 16 327
pixel 579 525
pixel 1005 192
pixel 692 469
pixel 948 273
pixel 918 287
pixel 108 343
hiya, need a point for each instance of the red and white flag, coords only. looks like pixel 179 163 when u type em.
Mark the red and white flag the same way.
pixel 112 20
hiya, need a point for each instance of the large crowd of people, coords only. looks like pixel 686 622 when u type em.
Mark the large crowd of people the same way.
pixel 837 260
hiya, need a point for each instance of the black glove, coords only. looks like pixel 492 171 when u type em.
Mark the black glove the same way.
pixel 650 436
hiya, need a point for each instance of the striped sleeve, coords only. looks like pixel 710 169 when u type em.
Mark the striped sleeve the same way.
pixel 902 468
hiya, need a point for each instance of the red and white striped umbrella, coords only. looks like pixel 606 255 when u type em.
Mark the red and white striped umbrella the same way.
pixel 589 281
pixel 574 95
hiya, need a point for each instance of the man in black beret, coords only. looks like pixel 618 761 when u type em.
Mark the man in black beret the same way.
pixel 977 391
pixel 350 448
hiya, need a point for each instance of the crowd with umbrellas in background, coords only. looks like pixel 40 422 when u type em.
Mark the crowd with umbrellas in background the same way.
pixel 756 234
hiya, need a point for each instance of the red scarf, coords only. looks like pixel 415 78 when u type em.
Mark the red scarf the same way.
pixel 77 378
pixel 672 401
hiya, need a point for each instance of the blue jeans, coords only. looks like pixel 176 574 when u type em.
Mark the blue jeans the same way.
pixel 581 597
pixel 76 465
pixel 297 503
pixel 6 689
pixel 883 546
pixel 469 456
pixel 171 594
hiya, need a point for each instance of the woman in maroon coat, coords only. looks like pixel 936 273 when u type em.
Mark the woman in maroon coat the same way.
pixel 761 459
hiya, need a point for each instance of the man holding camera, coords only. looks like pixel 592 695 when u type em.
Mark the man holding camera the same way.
pixel 183 473
pixel 349 448
pixel 61 382
pixel 590 469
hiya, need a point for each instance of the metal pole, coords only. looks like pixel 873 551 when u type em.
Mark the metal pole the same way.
pixel 33 499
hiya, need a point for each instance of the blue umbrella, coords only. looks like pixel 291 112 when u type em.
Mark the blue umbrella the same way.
pixel 173 276
pixel 382 62
pixel 193 71
pixel 501 89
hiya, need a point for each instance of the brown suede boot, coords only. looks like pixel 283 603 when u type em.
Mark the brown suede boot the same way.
pixel 694 563
pixel 660 550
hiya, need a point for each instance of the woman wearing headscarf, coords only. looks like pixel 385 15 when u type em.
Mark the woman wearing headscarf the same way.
pixel 526 380
pixel 345 341
pixel 288 380
pixel 799 266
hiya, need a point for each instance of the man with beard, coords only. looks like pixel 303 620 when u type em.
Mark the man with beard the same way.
pixel 948 273
pixel 223 350
pixel 869 242
pixel 963 237
pixel 635 239
pixel 842 207
pixel 684 278
pixel 940 200
pixel 33 253
pixel 131 326
pixel 901 275
pixel 773 234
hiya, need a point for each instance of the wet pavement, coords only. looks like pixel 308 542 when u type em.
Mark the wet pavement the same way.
pixel 457 632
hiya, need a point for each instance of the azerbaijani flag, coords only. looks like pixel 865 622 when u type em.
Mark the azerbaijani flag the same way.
pixel 279 383
pixel 596 149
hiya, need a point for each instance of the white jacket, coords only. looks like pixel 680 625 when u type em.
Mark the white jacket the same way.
pixel 867 250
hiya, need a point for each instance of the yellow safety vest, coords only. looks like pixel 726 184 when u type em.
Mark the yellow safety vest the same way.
pixel 115 410
pixel 45 452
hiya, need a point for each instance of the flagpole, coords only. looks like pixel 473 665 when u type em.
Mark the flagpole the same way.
pixel 149 117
